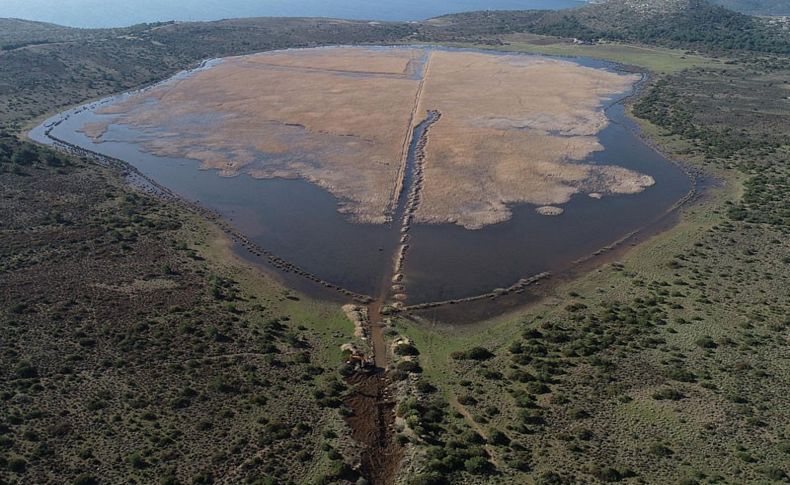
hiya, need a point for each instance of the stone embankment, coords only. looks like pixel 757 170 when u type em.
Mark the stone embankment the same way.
pixel 410 206
pixel 519 286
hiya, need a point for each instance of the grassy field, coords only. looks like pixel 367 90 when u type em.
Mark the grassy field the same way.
pixel 656 59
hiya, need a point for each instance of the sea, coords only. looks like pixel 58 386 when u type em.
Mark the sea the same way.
pixel 120 13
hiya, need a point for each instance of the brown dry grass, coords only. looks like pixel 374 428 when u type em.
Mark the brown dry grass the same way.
pixel 511 128
pixel 94 130
pixel 510 131
pixel 343 132
pixel 348 59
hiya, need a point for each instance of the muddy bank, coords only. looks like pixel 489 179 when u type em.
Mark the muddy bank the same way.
pixel 475 309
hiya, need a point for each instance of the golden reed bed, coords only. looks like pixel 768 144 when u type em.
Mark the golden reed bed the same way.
pixel 513 128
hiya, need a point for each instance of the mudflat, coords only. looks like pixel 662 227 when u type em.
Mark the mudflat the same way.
pixel 513 129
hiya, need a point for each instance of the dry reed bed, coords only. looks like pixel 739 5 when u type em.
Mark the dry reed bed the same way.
pixel 343 132
pixel 514 129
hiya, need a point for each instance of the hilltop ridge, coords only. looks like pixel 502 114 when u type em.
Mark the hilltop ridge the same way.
pixel 675 23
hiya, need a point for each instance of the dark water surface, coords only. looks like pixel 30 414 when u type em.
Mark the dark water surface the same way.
pixel 299 221
pixel 475 262
pixel 121 13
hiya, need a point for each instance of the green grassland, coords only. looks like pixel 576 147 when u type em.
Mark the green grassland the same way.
pixel 655 59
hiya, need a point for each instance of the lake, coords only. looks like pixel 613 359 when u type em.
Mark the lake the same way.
pixel 299 221
pixel 120 13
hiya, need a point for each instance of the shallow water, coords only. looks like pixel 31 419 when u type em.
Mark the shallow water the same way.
pixel 474 262
pixel 299 221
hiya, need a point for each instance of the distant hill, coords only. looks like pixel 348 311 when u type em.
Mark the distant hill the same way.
pixel 749 7
pixel 17 33
pixel 757 7
pixel 16 30
pixel 676 23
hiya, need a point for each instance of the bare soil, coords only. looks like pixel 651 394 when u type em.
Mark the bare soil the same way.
pixel 372 425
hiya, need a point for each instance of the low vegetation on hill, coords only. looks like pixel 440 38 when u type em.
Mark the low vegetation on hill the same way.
pixel 134 349
pixel 673 23
pixel 756 7
pixel 663 367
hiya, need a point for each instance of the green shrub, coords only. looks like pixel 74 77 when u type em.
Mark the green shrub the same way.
pixel 25 370
pixel 774 473
pixel 17 464
pixel 659 449
pixel 668 394
pixel 706 342
pixel 86 479
pixel 409 366
pixel 406 349
pixel 475 353
pixel 136 460
pixel 429 478
pixel 497 437
pixel 477 465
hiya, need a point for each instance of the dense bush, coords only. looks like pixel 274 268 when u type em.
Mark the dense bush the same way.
pixel 475 353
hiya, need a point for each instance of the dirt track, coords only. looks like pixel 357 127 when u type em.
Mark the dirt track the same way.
pixel 372 425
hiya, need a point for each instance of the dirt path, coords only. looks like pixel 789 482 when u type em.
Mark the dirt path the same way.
pixel 372 425
pixel 377 339
pixel 476 426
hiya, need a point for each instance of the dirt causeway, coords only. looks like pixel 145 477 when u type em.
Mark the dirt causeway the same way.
pixel 513 129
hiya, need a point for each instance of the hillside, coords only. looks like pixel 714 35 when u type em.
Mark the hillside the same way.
pixel 757 7
pixel 17 33
pixel 20 30
pixel 674 23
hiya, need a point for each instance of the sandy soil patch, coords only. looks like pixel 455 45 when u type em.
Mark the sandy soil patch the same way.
pixel 359 317
pixel 94 130
pixel 348 59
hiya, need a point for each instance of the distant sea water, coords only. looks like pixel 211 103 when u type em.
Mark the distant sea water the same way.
pixel 119 13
